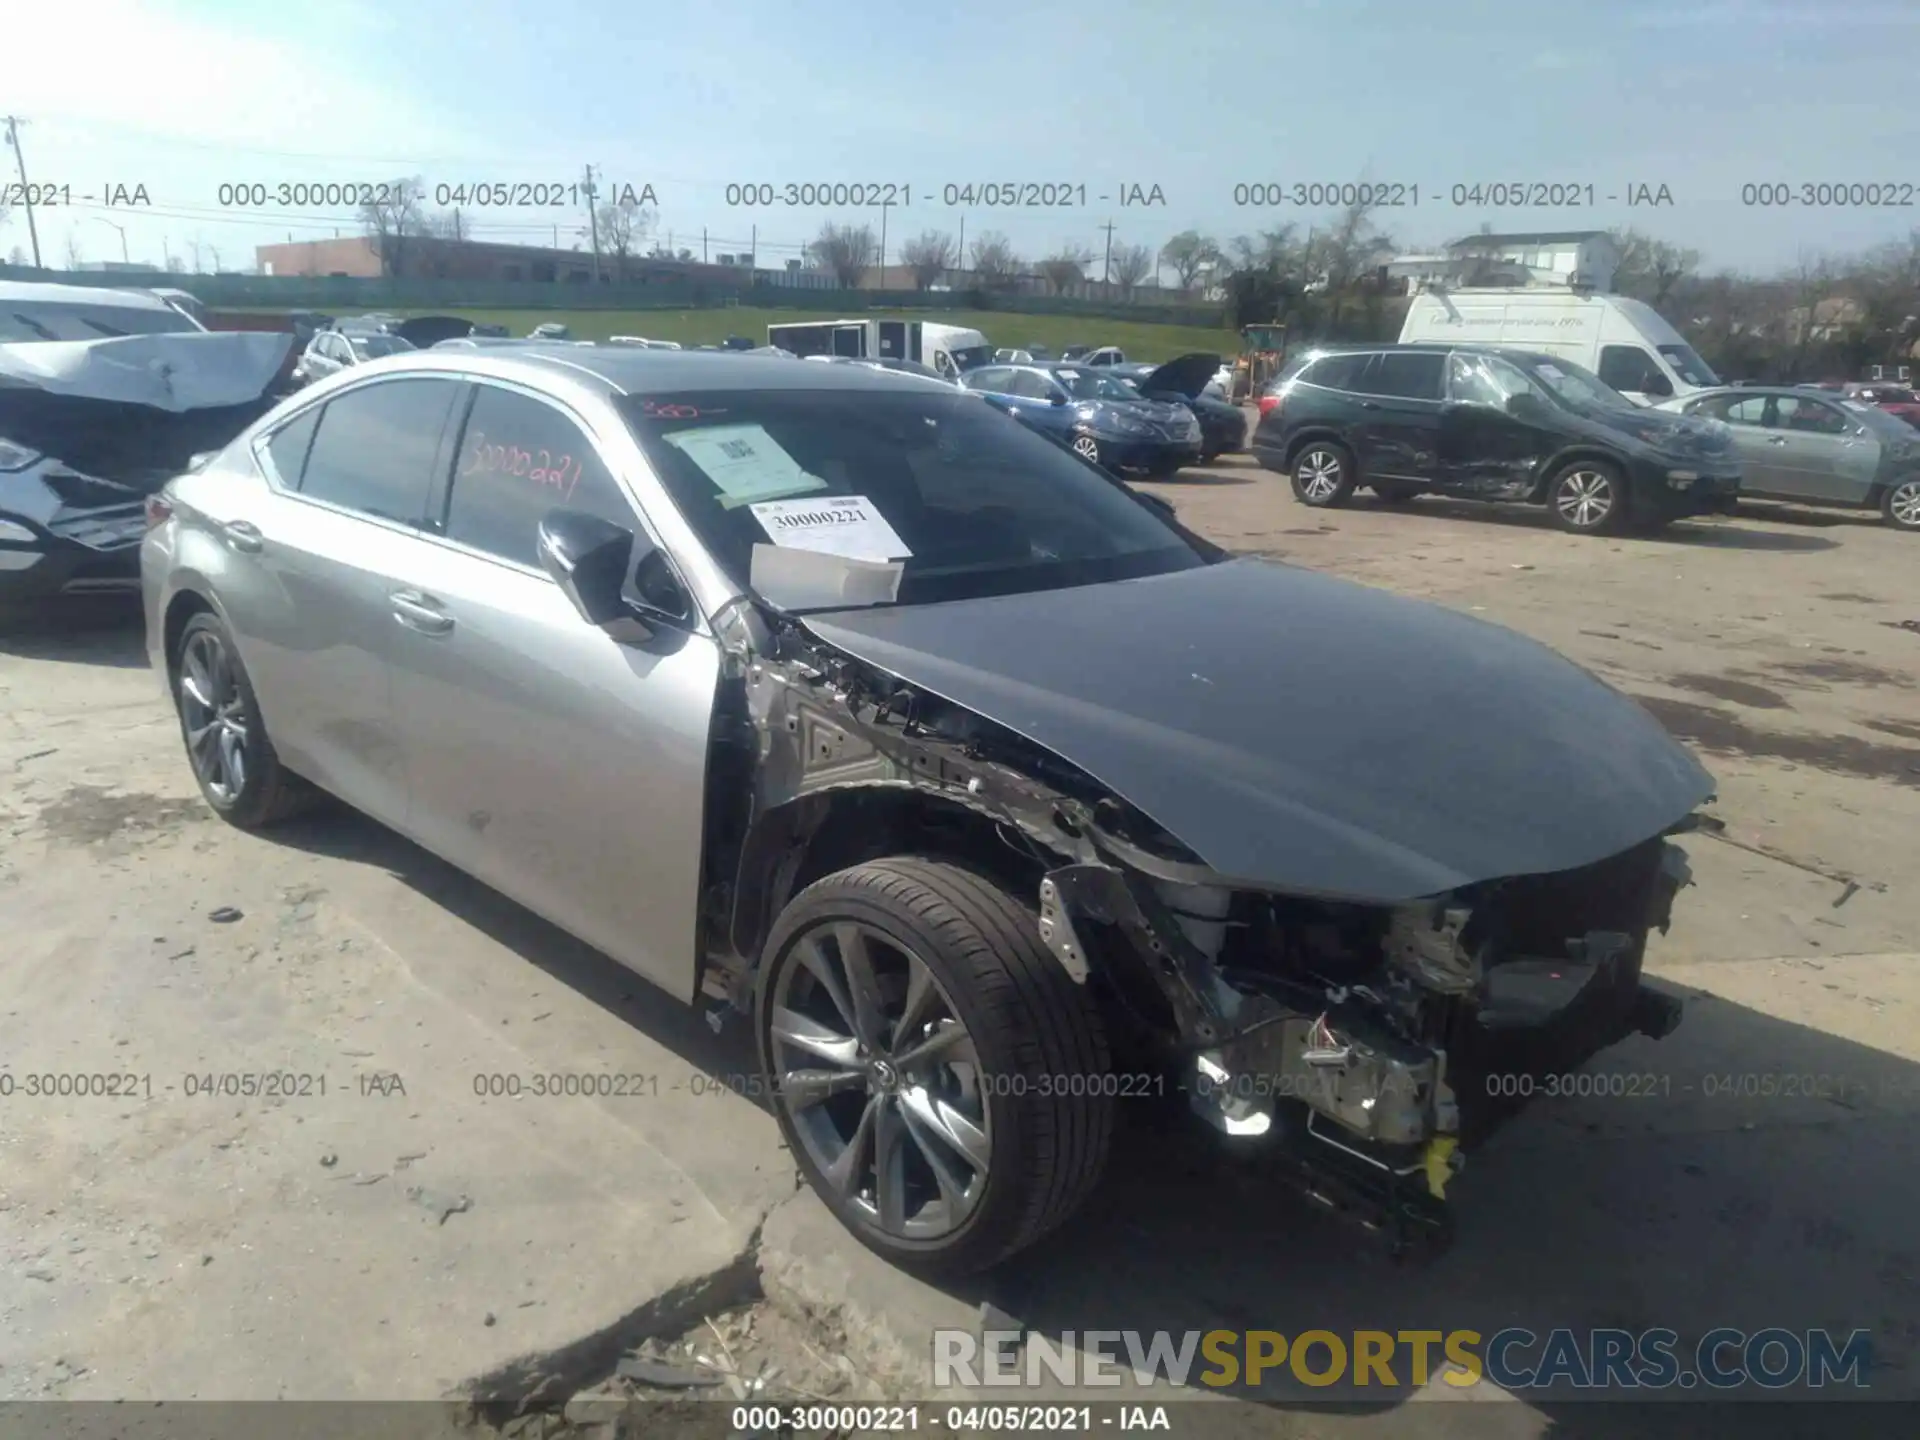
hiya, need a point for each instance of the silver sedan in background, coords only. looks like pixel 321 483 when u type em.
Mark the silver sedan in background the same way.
pixel 1818 448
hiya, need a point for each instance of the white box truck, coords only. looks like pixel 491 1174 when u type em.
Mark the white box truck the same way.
pixel 1622 340
pixel 949 349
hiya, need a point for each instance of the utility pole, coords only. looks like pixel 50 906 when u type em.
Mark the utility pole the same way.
pixel 593 224
pixel 753 252
pixel 703 244
pixel 1106 265
pixel 26 194
pixel 960 251
pixel 885 205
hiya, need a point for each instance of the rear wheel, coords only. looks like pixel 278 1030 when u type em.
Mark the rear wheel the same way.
pixel 1900 506
pixel 227 745
pixel 1323 475
pixel 942 1083
pixel 1588 497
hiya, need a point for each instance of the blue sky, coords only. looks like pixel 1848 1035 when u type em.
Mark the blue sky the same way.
pixel 1195 96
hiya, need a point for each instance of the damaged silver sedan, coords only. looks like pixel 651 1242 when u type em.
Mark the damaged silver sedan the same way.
pixel 995 797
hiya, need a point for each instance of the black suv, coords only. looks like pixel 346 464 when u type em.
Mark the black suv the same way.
pixel 1489 423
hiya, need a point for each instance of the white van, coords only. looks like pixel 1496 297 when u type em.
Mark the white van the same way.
pixel 1621 340
pixel 950 349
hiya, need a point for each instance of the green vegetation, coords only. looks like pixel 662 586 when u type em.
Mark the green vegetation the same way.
pixel 1001 327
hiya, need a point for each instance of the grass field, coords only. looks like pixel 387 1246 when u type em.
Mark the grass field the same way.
pixel 709 327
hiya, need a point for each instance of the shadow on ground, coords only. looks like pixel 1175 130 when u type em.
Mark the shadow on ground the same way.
pixel 90 630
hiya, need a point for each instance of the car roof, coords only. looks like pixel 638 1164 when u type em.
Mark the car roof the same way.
pixel 628 369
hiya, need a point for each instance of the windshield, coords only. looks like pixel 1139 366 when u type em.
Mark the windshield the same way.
pixel 1091 385
pixel 372 347
pixel 972 356
pixel 1880 422
pixel 31 320
pixel 1688 366
pixel 970 502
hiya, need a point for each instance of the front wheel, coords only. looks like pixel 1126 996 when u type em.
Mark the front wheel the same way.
pixel 1323 475
pixel 1088 449
pixel 942 1083
pixel 1588 497
pixel 1900 506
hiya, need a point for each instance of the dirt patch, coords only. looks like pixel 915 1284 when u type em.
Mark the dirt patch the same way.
pixel 1848 597
pixel 90 815
pixel 1737 692
pixel 1727 734
pixel 1845 672
pixel 1906 730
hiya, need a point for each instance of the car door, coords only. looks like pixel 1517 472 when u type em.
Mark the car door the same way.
pixel 1041 401
pixel 307 590
pixel 560 765
pixel 1485 450
pixel 1824 454
pixel 1400 395
pixel 1746 417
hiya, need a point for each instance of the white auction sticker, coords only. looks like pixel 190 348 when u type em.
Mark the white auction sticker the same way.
pixel 835 525
pixel 744 462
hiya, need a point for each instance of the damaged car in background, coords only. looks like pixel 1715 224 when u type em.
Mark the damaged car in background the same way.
pixel 104 396
pixel 990 793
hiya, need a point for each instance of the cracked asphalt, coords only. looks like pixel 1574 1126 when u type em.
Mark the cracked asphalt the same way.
pixel 302 1181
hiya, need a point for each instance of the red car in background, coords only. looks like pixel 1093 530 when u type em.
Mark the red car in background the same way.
pixel 1894 399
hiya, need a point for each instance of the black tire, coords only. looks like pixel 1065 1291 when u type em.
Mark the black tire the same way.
pixel 1323 474
pixel 1032 1028
pixel 1088 449
pixel 1900 504
pixel 1391 492
pixel 268 792
pixel 1588 497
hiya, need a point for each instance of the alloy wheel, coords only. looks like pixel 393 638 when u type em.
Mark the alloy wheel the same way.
pixel 1319 474
pixel 1087 448
pixel 1904 504
pixel 213 712
pixel 880 1080
pixel 1584 498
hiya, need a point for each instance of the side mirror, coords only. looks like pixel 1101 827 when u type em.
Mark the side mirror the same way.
pixel 607 571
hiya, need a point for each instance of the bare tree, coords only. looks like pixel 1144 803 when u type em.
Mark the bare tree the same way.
pixel 623 229
pixel 1130 265
pixel 1188 254
pixel 447 225
pixel 5 207
pixel 846 250
pixel 994 260
pixel 1809 286
pixel 1274 252
pixel 196 245
pixel 213 254
pixel 1066 267
pixel 1649 269
pixel 16 256
pixel 929 255
pixel 175 265
pixel 393 219
pixel 74 257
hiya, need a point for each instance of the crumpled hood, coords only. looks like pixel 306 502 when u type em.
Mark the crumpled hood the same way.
pixel 1673 434
pixel 188 371
pixel 1306 733
pixel 134 410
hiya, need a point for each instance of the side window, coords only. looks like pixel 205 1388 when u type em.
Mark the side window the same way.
pixel 520 458
pixel 1338 372
pixel 374 451
pixel 1482 380
pixel 1747 410
pixel 1030 385
pixel 1410 375
pixel 1810 416
pixel 1628 367
pixel 993 380
pixel 287 447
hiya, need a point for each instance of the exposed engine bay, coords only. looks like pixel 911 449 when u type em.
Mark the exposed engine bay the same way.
pixel 1367 1046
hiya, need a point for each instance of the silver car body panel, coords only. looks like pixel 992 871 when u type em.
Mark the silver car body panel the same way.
pixel 560 766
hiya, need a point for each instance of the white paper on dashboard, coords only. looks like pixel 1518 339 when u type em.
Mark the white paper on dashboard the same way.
pixel 835 525
pixel 812 579
pixel 744 462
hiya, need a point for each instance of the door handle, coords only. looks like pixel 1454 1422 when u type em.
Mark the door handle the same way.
pixel 420 612
pixel 243 536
